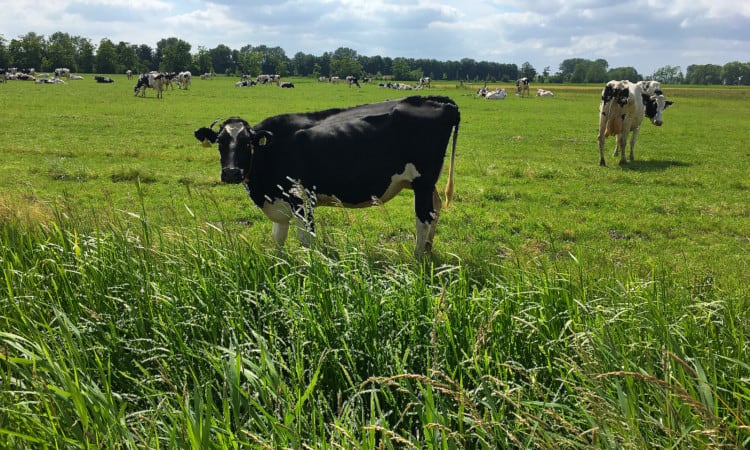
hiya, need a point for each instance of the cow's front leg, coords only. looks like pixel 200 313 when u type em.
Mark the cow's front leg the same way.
pixel 280 231
pixel 303 219
pixel 632 143
pixel 622 139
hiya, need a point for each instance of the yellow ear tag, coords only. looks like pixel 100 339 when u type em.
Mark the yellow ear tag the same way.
pixel 206 143
pixel 262 141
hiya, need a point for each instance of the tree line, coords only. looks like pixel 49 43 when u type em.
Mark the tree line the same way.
pixel 80 55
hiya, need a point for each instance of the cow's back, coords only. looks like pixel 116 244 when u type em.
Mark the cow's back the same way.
pixel 354 153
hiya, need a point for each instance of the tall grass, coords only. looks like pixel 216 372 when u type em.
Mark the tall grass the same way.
pixel 115 333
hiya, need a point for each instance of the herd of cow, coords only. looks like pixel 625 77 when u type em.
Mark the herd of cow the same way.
pixel 365 155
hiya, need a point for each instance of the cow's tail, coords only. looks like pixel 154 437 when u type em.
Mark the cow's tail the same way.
pixel 449 184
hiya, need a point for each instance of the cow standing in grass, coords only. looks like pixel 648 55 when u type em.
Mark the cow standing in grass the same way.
pixel 353 157
pixel 522 87
pixel 154 80
pixel 621 112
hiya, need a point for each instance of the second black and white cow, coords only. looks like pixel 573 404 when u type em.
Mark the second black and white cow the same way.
pixel 354 157
pixel 522 87
pixel 622 110
pixel 155 80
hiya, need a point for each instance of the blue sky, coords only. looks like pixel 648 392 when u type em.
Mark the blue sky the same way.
pixel 645 34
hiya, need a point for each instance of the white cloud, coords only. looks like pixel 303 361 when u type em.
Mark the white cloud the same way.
pixel 645 34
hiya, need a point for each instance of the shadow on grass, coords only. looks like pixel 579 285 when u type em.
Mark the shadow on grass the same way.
pixel 654 165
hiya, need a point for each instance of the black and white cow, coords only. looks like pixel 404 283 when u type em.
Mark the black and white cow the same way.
pixel 354 157
pixel 102 79
pixel 62 72
pixel 352 80
pixel 184 79
pixel 154 80
pixel 621 112
pixel 522 87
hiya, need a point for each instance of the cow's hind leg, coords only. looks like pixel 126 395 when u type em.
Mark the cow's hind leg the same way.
pixel 426 207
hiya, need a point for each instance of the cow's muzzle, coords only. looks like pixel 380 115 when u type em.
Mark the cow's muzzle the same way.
pixel 658 123
pixel 231 175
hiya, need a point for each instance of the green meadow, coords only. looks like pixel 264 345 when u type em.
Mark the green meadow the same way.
pixel 565 305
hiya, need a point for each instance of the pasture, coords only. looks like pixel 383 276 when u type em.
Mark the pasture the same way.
pixel 565 305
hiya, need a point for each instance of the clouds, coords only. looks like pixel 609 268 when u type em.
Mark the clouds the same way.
pixel 645 34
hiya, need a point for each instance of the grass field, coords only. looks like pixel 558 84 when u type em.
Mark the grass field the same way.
pixel 566 305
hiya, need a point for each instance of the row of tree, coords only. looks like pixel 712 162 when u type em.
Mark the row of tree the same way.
pixel 172 54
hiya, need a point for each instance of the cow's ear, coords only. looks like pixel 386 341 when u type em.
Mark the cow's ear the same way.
pixel 262 138
pixel 206 135
pixel 668 103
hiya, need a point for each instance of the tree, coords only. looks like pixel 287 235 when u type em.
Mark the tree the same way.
pixel 735 73
pixel 146 58
pixel 703 74
pixel 61 52
pixel 127 59
pixel 401 69
pixel 596 73
pixel 668 75
pixel 173 55
pixel 344 62
pixel 528 71
pixel 221 59
pixel 85 59
pixel 4 57
pixel 568 66
pixel 27 52
pixel 622 73
pixel 202 61
pixel 106 57
pixel 251 62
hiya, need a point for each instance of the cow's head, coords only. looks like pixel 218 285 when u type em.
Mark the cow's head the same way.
pixel 616 90
pixel 237 143
pixel 655 106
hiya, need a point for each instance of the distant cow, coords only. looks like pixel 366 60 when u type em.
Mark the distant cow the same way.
pixel 522 87
pixel 129 74
pixel 354 157
pixel 245 83
pixel 621 111
pixel 497 94
pixel 286 84
pixel 101 79
pixel 154 80
pixel 351 79
pixel 544 93
pixel 62 72
pixel 184 79
pixel 425 82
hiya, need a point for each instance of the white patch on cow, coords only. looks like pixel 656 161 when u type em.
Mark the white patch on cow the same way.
pixel 278 210
pixel 234 128
pixel 400 181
